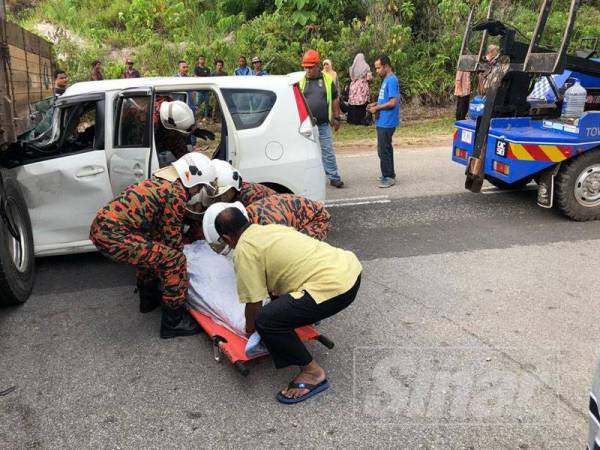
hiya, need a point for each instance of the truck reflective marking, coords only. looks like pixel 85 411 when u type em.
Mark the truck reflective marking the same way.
pixel 540 152
pixel 517 151
pixel 552 152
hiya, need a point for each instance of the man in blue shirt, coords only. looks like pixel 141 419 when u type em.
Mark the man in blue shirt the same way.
pixel 387 110
pixel 243 69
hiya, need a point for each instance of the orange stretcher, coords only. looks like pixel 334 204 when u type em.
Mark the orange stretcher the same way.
pixel 227 343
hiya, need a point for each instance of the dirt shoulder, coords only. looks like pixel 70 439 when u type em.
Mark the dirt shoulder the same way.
pixel 411 134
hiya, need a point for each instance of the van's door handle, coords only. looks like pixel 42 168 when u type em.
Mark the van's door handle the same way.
pixel 89 171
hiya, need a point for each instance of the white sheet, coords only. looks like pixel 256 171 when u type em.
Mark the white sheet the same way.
pixel 212 289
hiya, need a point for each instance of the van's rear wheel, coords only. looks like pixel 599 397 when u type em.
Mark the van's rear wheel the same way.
pixel 17 262
pixel 578 187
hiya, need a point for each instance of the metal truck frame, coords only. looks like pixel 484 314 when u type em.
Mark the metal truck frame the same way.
pixel 25 78
pixel 515 141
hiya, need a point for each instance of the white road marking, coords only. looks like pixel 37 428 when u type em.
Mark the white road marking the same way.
pixel 371 202
pixel 356 199
pixel 357 155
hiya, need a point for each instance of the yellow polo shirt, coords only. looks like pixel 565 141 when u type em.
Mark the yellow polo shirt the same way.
pixel 279 260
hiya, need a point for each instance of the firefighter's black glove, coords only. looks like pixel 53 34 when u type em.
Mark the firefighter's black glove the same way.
pixel 204 134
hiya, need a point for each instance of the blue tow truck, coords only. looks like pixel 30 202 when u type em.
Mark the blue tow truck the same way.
pixel 516 138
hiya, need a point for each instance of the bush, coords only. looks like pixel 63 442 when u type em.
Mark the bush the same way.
pixel 422 37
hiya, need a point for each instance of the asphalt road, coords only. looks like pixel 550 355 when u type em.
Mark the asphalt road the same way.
pixel 476 327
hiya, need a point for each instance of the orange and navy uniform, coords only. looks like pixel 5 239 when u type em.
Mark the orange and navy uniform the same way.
pixel 252 192
pixel 307 216
pixel 143 226
pixel 248 194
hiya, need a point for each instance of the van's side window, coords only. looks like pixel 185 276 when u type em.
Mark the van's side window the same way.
pixel 249 107
pixel 133 122
pixel 80 130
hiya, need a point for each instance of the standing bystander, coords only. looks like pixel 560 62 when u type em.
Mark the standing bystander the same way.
pixel 258 70
pixel 130 72
pixel 182 69
pixel 358 95
pixel 243 69
pixel 203 96
pixel 96 74
pixel 60 82
pixel 323 101
pixel 388 111
pixel 219 72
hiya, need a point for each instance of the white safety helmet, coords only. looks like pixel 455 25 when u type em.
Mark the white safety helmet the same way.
pixel 177 115
pixel 226 177
pixel 216 242
pixel 195 168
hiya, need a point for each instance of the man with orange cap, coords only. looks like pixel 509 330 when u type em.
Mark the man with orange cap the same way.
pixel 322 97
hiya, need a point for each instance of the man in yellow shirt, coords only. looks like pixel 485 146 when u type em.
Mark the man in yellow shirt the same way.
pixel 307 280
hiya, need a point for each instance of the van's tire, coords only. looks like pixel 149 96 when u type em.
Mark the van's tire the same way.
pixel 17 261
pixel 577 191
pixel 509 187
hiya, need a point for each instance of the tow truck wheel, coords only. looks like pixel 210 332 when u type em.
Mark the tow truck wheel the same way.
pixel 578 187
pixel 16 247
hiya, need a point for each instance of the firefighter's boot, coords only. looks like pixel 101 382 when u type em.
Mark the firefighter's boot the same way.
pixel 177 322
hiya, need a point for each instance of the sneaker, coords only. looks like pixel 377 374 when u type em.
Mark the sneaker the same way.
pixel 387 182
pixel 380 178
pixel 337 183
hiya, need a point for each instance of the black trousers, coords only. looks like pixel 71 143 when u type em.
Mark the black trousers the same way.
pixel 385 150
pixel 462 107
pixel 277 321
pixel 357 114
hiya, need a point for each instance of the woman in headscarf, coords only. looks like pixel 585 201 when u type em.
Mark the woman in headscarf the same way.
pixel 360 76
pixel 328 69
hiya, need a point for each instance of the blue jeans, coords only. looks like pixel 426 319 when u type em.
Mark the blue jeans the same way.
pixel 327 152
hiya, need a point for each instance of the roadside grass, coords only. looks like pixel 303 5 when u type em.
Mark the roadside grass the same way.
pixel 407 129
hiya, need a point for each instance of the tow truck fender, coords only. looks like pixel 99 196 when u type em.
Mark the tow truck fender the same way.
pixel 545 180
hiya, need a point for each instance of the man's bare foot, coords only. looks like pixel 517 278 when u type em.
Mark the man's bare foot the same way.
pixel 311 374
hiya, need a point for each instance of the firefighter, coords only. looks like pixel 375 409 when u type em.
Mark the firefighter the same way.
pixel 231 188
pixel 307 216
pixel 143 227
pixel 173 122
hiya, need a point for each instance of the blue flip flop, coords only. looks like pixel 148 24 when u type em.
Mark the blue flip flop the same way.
pixel 313 389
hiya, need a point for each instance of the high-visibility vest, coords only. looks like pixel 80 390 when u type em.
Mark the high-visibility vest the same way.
pixel 328 92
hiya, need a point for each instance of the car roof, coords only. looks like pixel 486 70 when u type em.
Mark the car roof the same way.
pixel 252 82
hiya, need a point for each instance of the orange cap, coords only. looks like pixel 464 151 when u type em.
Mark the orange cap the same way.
pixel 311 58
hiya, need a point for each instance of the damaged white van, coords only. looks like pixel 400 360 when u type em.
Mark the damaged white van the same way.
pixel 93 149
